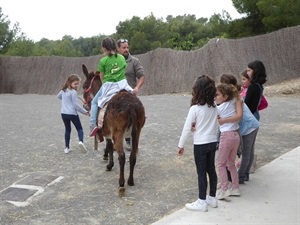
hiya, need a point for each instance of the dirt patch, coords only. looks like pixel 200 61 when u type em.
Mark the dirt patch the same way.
pixel 289 87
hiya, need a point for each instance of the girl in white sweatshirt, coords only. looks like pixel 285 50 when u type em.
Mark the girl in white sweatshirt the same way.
pixel 202 117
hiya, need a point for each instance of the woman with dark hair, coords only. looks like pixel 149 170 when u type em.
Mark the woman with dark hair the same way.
pixel 257 73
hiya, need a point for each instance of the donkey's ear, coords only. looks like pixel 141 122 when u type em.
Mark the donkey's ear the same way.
pixel 85 71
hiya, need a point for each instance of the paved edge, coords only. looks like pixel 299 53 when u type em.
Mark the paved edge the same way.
pixel 271 196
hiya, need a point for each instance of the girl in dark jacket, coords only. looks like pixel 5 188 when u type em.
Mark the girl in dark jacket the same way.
pixel 257 73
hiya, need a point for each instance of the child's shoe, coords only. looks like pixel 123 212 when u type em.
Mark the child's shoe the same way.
pixel 93 130
pixel 235 192
pixel 223 194
pixel 199 205
pixel 67 150
pixel 212 201
pixel 82 147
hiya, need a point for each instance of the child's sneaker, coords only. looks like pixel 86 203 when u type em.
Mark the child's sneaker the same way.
pixel 212 201
pixel 199 205
pixel 82 147
pixel 93 128
pixel 223 194
pixel 235 192
pixel 67 150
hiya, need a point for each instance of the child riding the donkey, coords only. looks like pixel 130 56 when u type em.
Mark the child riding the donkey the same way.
pixel 111 69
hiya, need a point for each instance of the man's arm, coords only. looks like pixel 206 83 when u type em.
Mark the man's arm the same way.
pixel 139 84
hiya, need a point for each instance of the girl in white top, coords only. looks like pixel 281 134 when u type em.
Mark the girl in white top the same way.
pixel 226 97
pixel 202 117
pixel 249 126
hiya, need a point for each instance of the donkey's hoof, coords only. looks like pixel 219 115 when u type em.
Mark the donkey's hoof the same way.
pixel 121 192
pixel 130 182
pixel 105 157
pixel 109 167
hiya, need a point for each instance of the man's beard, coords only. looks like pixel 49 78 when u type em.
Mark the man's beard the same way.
pixel 126 54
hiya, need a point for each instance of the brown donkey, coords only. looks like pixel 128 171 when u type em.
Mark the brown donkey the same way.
pixel 125 113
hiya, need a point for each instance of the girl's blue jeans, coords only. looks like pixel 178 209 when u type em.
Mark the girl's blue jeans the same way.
pixel 94 107
pixel 67 119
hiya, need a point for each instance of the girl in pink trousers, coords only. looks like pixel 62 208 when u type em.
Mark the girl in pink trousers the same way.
pixel 226 97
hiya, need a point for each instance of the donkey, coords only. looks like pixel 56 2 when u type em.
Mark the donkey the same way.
pixel 124 113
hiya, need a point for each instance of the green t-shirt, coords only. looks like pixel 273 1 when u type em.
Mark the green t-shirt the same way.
pixel 114 68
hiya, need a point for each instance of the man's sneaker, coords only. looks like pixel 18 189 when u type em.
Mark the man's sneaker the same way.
pixel 223 194
pixel 93 130
pixel 212 201
pixel 199 205
pixel 82 147
pixel 235 192
pixel 67 150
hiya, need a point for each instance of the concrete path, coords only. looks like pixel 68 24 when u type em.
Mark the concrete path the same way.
pixel 270 197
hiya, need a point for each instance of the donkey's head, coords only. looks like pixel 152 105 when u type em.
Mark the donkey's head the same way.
pixel 90 86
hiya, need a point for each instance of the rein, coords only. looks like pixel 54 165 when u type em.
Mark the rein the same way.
pixel 90 95
pixel 90 87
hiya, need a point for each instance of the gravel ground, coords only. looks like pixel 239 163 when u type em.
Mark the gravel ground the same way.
pixel 32 143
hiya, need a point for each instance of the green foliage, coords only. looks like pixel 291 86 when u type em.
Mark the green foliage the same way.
pixel 128 28
pixel 246 6
pixel 184 32
pixel 253 20
pixel 179 43
pixel 279 13
pixel 43 47
pixel 88 46
pixel 21 47
pixel 64 48
pixel 265 16
pixel 6 35
pixel 143 35
pixel 139 43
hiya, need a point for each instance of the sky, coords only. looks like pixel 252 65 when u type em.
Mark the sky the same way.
pixel 53 19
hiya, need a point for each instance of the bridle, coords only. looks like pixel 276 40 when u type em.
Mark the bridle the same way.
pixel 87 100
